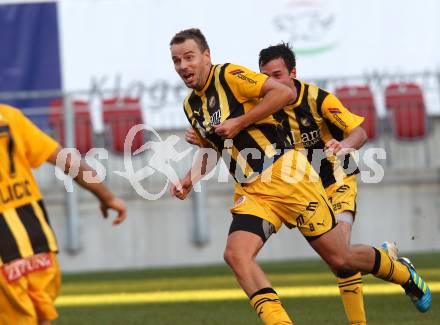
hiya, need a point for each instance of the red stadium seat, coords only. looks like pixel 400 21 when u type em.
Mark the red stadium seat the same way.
pixel 408 114
pixel 359 100
pixel 83 124
pixel 120 114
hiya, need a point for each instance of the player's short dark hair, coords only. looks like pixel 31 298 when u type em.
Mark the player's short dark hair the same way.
pixel 191 33
pixel 282 50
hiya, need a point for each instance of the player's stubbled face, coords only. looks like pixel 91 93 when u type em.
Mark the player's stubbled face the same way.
pixel 191 63
pixel 277 69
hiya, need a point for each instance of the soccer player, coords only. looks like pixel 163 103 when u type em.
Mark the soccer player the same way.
pixel 30 277
pixel 235 111
pixel 318 121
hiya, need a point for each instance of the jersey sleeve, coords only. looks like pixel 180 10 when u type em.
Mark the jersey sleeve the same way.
pixel 38 145
pixel 333 110
pixel 244 83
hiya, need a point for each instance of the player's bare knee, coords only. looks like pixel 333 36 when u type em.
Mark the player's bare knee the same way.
pixel 234 258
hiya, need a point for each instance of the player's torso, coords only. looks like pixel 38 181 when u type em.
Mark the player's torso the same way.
pixel 309 131
pixel 24 224
pixel 17 183
pixel 219 102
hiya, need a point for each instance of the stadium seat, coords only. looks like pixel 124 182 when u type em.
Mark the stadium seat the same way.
pixel 360 101
pixel 83 124
pixel 404 102
pixel 120 114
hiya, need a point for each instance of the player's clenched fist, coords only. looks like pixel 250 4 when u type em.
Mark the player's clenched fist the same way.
pixel 337 148
pixel 228 129
pixel 191 137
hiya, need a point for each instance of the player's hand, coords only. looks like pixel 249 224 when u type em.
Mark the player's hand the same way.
pixel 337 148
pixel 114 204
pixel 191 137
pixel 229 128
pixel 181 191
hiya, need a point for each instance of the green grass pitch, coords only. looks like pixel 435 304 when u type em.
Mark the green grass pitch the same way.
pixel 100 289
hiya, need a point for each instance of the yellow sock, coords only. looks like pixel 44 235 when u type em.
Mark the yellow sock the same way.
pixel 269 308
pixel 387 269
pixel 353 298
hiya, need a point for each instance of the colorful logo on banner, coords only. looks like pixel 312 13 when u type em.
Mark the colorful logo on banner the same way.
pixel 311 26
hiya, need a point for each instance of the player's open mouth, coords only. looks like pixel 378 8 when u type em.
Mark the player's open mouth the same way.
pixel 188 77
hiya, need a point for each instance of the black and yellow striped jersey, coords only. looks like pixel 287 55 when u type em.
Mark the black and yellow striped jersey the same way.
pixel 229 92
pixel 24 225
pixel 314 118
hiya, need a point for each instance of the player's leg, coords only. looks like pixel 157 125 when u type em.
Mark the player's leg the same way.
pixel 309 210
pixel 345 260
pixel 241 249
pixel 343 200
pixel 246 237
pixel 16 307
pixel 351 286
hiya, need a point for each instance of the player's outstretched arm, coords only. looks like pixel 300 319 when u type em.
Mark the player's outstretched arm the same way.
pixel 204 162
pixel 105 196
pixel 274 96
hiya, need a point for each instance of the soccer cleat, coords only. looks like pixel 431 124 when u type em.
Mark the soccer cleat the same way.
pixel 391 249
pixel 416 288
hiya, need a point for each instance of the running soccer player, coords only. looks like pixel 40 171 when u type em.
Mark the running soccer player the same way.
pixel 234 110
pixel 30 277
pixel 317 121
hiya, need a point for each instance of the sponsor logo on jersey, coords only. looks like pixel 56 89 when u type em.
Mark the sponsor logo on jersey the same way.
pixel 16 269
pixel 215 118
pixel 308 139
pixel 239 74
pixel 334 110
pixel 15 191
pixel 236 71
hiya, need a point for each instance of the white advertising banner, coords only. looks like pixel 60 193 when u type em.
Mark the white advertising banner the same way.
pixel 124 44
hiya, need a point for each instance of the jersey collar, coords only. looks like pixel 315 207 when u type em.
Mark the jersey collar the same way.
pixel 208 81
pixel 300 91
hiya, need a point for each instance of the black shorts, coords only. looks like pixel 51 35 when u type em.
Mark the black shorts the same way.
pixel 253 224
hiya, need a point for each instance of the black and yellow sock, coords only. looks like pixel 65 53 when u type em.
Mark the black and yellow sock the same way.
pixel 387 269
pixel 269 308
pixel 353 298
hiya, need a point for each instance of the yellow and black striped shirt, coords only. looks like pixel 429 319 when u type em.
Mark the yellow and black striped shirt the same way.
pixel 316 117
pixel 24 226
pixel 229 92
